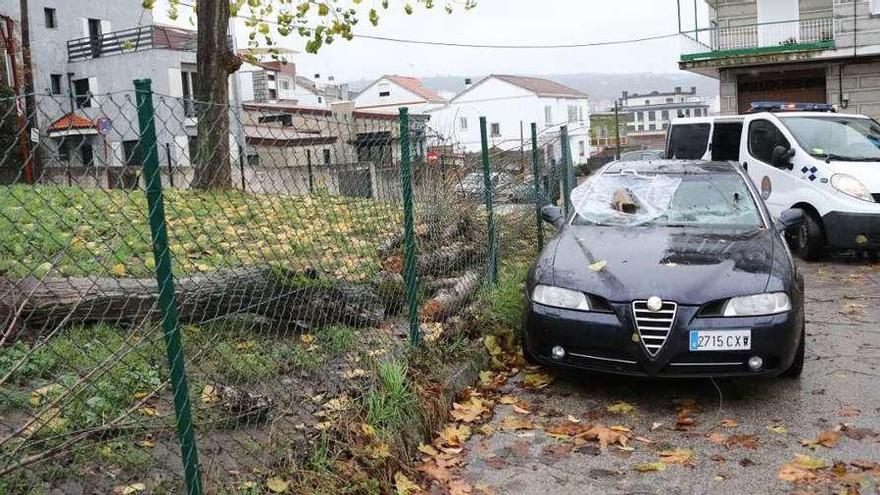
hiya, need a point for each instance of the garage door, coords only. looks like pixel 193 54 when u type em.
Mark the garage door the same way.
pixel 807 86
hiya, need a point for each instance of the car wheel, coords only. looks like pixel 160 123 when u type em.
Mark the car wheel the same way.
pixel 797 366
pixel 810 238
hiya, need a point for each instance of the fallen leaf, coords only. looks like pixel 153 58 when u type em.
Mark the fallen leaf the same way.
pixel 849 412
pixel 605 436
pixel 827 439
pixel 677 456
pixel 745 441
pixel 470 410
pixel 620 407
pixel 380 451
pixel 307 338
pixel 778 429
pixel 129 489
pixel 729 423
pixel 655 425
pixel 598 266
pixel 459 487
pixel 277 484
pixel 572 419
pixel 39 394
pixel 210 395
pixel 118 270
pixel 454 435
pixel 520 410
pixel 801 470
pixel 245 345
pixel 148 411
pixel 428 450
pixel 537 380
pixel 404 486
pixel 147 444
pixel 515 423
pixel 368 429
pixel 622 429
pixel 650 466
pixel 354 373
pixel 491 343
pixel 438 471
pixel 717 437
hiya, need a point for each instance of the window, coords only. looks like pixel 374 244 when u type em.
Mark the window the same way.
pixel 82 93
pixel 647 102
pixel 640 115
pixel 669 100
pixel 763 137
pixel 495 129
pixel 253 160
pixel 687 112
pixel 462 123
pixel 285 84
pixel 664 114
pixel 383 94
pixel 188 91
pixel 580 114
pixel 652 127
pixel 875 6
pixel 271 76
pixel 51 19
pixel 327 157
pixel 192 146
pixel 548 115
pixel 653 115
pixel 273 94
pixel 55 84
pixel 384 90
pixel 582 148
pixel 86 154
pixel 132 153
pixel 725 141
pixel 572 113
pixel 688 141
pixel 320 100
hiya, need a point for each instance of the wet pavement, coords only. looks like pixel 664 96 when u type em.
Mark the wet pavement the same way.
pixel 727 436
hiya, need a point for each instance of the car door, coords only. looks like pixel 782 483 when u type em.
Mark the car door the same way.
pixel 776 185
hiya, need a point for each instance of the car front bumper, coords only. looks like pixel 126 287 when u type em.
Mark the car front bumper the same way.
pixel 843 230
pixel 608 343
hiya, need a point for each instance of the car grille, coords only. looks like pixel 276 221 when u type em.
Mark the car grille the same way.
pixel 653 326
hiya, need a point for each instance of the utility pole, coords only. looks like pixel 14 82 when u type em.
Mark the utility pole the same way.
pixel 617 127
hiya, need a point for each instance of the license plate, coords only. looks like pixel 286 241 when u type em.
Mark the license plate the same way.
pixel 721 340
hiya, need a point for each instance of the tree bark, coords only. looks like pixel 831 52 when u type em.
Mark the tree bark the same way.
pixel 448 300
pixel 247 291
pixel 215 63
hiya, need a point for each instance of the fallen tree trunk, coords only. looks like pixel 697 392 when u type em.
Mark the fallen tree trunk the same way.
pixel 266 292
pixel 449 300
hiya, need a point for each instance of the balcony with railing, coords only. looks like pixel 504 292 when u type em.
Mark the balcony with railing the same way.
pixel 131 40
pixel 758 39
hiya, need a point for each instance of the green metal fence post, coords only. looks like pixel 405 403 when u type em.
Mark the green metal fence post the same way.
pixel 490 210
pixel 409 235
pixel 165 279
pixel 536 172
pixel 566 168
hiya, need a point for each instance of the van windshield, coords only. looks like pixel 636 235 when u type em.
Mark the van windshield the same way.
pixel 836 138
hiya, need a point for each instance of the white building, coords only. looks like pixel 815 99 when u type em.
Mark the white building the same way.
pixel 651 112
pixel 389 93
pixel 510 104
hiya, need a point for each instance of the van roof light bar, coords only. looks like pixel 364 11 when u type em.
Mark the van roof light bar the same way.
pixel 782 106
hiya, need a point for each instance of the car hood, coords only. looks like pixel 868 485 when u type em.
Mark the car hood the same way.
pixel 678 264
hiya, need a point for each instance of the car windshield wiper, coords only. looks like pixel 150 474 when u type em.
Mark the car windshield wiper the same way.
pixel 831 156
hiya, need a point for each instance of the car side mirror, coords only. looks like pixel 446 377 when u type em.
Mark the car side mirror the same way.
pixel 553 215
pixel 791 218
pixel 782 156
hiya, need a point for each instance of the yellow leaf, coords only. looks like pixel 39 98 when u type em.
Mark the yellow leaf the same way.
pixel 470 410
pixel 454 436
pixel 428 450
pixel 148 411
pixel 355 373
pixel 306 338
pixel 368 429
pixel 404 486
pixel 486 378
pixel 620 408
pixel 808 462
pixel 677 456
pixel 41 393
pixel 118 270
pixel 598 266
pixel 147 444
pixel 245 345
pixel 491 343
pixel 537 380
pixel 778 429
pixel 729 423
pixel 381 451
pixel 209 395
pixel 622 429
pixel 323 425
pixel 129 489
pixel 276 484
pixel 650 466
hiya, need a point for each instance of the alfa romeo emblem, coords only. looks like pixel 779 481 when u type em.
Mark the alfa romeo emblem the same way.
pixel 655 303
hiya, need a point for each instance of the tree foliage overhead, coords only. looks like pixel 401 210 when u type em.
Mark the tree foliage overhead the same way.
pixel 320 22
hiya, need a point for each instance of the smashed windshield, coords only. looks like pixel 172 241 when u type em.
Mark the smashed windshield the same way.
pixel 837 138
pixel 629 199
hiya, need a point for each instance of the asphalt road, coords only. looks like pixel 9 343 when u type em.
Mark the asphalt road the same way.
pixel 838 392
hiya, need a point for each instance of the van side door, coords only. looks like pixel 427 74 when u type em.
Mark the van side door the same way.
pixel 777 185
pixel 688 141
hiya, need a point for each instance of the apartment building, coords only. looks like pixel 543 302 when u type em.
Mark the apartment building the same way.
pixel 823 51
pixel 650 113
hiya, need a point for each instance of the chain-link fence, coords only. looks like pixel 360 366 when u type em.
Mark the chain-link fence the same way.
pixel 159 332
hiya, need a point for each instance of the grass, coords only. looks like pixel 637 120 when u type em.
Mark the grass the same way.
pixel 390 402
pixel 78 232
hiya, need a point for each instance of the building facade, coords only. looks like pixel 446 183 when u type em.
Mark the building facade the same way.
pixel 816 51
pixel 650 113
pixel 510 104
pixel 389 93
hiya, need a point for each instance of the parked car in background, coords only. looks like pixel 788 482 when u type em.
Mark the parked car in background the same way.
pixel 667 269
pixel 632 156
pixel 800 156
pixel 472 184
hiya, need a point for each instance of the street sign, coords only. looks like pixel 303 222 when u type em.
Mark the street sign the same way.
pixel 104 125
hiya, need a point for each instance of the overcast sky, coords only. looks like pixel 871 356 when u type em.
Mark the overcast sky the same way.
pixel 504 22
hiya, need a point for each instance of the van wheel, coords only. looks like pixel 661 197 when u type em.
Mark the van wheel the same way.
pixel 810 238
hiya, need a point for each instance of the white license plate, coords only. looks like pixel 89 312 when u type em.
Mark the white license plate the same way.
pixel 721 340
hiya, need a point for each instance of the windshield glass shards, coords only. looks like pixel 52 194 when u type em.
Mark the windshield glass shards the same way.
pixel 674 200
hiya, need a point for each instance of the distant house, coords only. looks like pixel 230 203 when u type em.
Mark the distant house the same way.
pixel 651 113
pixel 266 81
pixel 389 93
pixel 510 104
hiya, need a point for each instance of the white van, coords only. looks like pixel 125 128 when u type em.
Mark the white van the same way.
pixel 825 163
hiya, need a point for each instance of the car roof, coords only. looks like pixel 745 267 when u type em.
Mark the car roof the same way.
pixel 672 167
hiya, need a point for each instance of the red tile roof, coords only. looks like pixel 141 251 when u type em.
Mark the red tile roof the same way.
pixel 71 121
pixel 543 87
pixel 415 86
pixel 278 66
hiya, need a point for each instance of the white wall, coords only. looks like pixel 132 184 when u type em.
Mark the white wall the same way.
pixel 369 99
pixel 508 106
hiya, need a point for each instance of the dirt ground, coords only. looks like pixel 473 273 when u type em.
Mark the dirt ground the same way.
pixel 819 434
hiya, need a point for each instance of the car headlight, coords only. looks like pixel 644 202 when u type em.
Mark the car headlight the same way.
pixel 558 297
pixel 758 305
pixel 849 185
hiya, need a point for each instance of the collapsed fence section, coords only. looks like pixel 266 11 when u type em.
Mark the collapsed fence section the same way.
pixel 162 332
